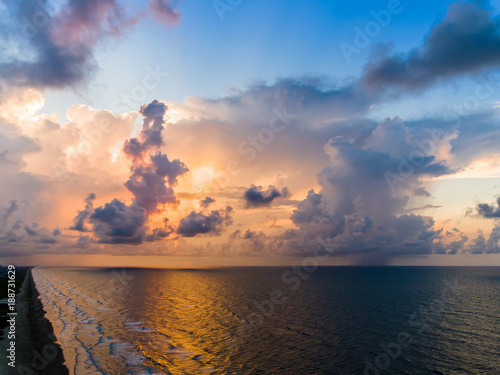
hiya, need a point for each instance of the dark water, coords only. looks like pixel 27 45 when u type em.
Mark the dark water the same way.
pixel 338 320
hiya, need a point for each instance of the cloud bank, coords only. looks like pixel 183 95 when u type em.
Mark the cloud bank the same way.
pixel 52 44
pixel 465 41
pixel 358 182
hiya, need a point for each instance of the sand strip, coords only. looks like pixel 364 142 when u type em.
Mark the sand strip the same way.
pixel 37 352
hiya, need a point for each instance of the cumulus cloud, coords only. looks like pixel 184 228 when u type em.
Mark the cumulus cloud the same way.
pixel 151 183
pixel 255 196
pixel 355 205
pixel 204 203
pixel 13 207
pixel 359 208
pixel 255 241
pixel 465 41
pixel 41 235
pixel 79 220
pixel 13 146
pixel 153 175
pixel 160 233
pixel 212 223
pixel 171 170
pixel 481 245
pixel 490 244
pixel 22 195
pixel 53 46
pixel 150 136
pixel 489 210
pixel 14 231
pixel 117 223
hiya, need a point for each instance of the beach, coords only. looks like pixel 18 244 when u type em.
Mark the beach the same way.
pixel 36 350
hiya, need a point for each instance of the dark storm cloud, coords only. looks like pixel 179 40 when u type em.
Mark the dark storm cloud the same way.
pixel 466 40
pixel 152 180
pixel 150 189
pixel 198 223
pixel 53 42
pixel 61 39
pixel 79 220
pixel 168 169
pixel 489 210
pixel 117 223
pixel 356 208
pixel 150 136
pixel 151 183
pixel 204 203
pixel 255 196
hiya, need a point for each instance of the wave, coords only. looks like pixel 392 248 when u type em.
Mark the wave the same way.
pixel 78 325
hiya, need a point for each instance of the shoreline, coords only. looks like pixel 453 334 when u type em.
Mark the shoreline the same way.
pixel 37 350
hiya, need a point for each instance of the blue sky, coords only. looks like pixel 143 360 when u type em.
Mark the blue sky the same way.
pixel 258 41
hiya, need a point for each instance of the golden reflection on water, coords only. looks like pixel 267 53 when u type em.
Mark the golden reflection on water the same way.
pixel 191 315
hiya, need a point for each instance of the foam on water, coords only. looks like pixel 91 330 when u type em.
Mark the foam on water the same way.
pixel 97 335
pixel 77 320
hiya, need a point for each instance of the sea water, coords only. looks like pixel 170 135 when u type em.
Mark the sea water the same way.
pixel 331 320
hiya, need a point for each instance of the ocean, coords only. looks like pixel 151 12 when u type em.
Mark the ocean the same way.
pixel 329 320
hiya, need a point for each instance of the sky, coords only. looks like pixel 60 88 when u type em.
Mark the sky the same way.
pixel 198 133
